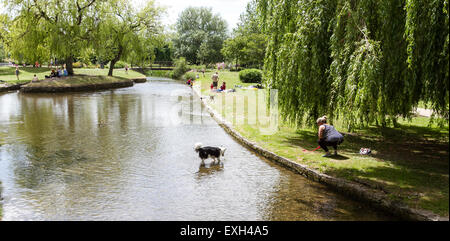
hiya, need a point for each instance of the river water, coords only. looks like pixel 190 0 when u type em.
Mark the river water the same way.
pixel 127 154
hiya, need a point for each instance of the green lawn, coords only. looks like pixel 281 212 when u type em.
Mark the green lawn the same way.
pixel 27 73
pixel 409 162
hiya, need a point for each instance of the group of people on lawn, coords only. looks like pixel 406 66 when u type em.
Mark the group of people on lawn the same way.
pixel 214 85
pixel 53 74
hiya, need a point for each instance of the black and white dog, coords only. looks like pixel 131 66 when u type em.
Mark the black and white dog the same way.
pixel 209 151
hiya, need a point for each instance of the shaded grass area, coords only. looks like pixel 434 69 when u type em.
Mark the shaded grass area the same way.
pixel 8 75
pixel 408 162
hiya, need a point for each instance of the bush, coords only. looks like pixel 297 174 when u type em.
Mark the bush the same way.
pixel 159 73
pixel 197 67
pixel 181 67
pixel 120 65
pixel 77 65
pixel 250 76
pixel 236 69
pixel 190 75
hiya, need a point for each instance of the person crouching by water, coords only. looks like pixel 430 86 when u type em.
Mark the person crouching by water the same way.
pixel 328 136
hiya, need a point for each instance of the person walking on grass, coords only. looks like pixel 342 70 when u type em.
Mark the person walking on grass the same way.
pixel 17 72
pixel 328 136
pixel 215 79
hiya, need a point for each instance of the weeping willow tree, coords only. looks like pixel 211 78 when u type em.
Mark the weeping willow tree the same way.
pixel 57 28
pixel 298 56
pixel 361 61
pixel 369 78
pixel 427 37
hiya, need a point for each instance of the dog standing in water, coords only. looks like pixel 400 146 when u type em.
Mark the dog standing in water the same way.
pixel 209 152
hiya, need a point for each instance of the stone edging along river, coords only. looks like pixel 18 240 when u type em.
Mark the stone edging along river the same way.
pixel 373 197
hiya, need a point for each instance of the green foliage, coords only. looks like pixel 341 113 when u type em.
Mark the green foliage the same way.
pixel 297 57
pixel 128 34
pixel 189 75
pixel 164 53
pixel 362 61
pixel 2 53
pixel 250 76
pixel 248 44
pixel 181 67
pixel 200 36
pixel 59 29
pixel 121 65
pixel 87 30
pixel 427 35
pixel 77 65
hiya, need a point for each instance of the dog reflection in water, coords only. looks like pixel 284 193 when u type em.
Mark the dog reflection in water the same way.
pixel 209 152
pixel 209 170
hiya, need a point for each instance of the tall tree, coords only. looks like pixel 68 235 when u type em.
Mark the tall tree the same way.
pixel 362 61
pixel 297 57
pixel 200 35
pixel 427 34
pixel 126 32
pixel 247 45
pixel 3 31
pixel 61 27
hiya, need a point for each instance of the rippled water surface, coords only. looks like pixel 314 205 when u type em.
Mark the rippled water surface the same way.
pixel 127 154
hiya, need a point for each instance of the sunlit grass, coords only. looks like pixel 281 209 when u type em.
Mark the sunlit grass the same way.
pixel 409 161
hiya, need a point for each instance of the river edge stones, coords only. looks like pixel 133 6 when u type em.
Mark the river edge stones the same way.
pixel 10 87
pixel 374 197
pixel 139 80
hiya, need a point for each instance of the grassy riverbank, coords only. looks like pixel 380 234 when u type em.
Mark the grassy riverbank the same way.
pixel 409 162
pixel 7 74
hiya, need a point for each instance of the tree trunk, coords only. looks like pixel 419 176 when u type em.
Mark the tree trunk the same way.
pixel 114 61
pixel 111 67
pixel 69 65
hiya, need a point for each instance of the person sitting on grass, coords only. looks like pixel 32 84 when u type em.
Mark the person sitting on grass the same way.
pixel 52 74
pixel 35 79
pixel 328 136
pixel 223 87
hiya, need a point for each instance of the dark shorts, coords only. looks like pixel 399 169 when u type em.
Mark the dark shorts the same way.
pixel 215 84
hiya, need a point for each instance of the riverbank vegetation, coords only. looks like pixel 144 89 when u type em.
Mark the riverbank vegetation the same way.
pixel 409 162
